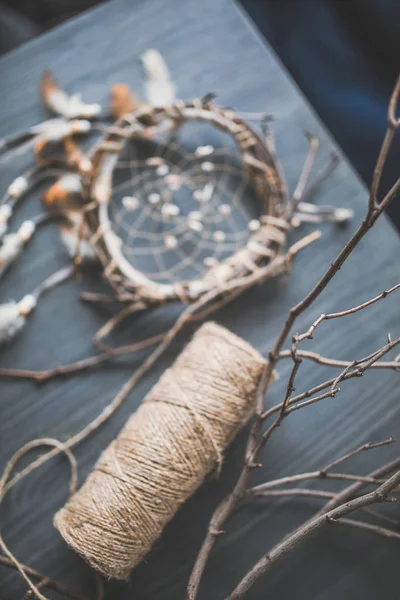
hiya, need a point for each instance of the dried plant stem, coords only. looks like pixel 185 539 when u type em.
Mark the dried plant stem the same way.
pixel 359 369
pixel 352 490
pixel 291 492
pixel 370 527
pixel 381 494
pixel 254 447
pixel 260 489
pixel 320 177
pixel 284 409
pixel 50 584
pixel 378 515
pixel 331 362
pixel 325 472
pixel 310 493
pixel 58 447
pixel 81 365
pixel 352 453
pixel 306 172
pixel 326 317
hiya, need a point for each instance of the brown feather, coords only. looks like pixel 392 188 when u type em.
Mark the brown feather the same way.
pixel 58 196
pixel 122 100
pixel 48 85
pixel 76 157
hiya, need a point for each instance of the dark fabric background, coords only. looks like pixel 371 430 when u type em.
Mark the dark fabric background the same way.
pixel 344 55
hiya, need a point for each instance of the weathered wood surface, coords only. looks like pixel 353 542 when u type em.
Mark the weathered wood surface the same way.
pixel 209 46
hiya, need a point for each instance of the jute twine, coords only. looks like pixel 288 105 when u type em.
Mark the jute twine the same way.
pixel 164 452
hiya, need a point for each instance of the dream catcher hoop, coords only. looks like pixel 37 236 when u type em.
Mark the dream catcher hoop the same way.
pixel 258 166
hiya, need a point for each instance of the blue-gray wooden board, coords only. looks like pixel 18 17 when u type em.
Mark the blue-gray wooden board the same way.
pixel 210 46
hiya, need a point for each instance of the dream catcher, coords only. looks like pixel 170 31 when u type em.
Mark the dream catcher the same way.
pixel 178 201
pixel 170 220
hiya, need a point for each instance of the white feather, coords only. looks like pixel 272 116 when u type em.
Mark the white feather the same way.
pixel 10 249
pixel 71 182
pixel 18 187
pixel 54 130
pixel 11 321
pixel 70 240
pixel 13 244
pixel 78 109
pixel 71 107
pixel 5 214
pixel 52 127
pixel 13 317
pixel 159 88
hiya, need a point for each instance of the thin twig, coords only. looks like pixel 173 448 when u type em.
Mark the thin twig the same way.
pixel 10 466
pixel 352 490
pixel 80 365
pixel 359 450
pixel 381 494
pixel 337 315
pixel 310 493
pixel 290 492
pixel 361 366
pixel 305 174
pixel 321 176
pixel 370 527
pixel 332 362
pixel 50 583
pixel 321 474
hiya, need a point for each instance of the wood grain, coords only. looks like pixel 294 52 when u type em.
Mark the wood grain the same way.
pixel 209 46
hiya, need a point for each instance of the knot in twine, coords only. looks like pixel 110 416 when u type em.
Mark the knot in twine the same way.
pixel 164 452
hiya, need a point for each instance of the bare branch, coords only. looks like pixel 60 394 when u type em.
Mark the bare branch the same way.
pixel 393 125
pixel 309 493
pixel 305 174
pixel 362 448
pixel 50 584
pixel 321 474
pixel 81 365
pixel 311 526
pixel 332 362
pixel 370 527
pixel 337 315
pixel 360 366
pixel 321 176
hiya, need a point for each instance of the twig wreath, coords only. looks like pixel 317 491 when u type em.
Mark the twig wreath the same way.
pixel 211 410
pixel 260 167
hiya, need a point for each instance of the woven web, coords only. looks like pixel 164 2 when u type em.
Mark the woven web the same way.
pixel 181 206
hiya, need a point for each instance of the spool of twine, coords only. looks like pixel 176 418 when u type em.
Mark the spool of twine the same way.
pixel 164 452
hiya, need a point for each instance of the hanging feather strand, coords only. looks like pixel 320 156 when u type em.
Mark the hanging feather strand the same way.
pixel 13 315
pixel 18 189
pixel 122 100
pixel 13 244
pixel 58 101
pixel 5 214
pixel 65 194
pixel 159 87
